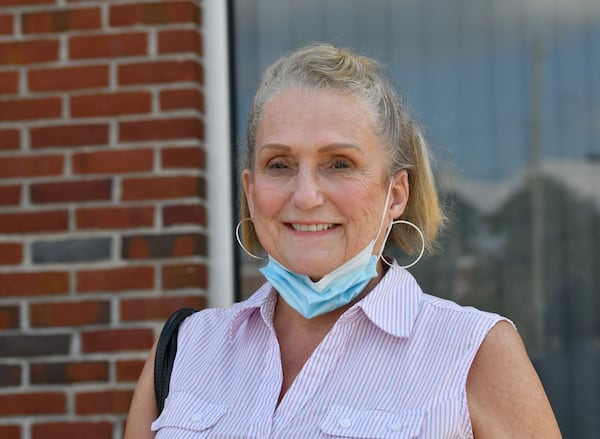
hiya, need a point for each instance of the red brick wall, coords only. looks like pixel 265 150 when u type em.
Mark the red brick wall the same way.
pixel 102 203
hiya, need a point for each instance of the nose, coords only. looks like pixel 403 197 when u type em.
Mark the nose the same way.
pixel 308 192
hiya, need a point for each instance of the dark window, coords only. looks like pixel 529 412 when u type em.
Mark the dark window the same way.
pixel 509 94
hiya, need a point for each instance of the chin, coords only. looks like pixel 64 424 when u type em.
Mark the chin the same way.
pixel 312 272
pixel 313 266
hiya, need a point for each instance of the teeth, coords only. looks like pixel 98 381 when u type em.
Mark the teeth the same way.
pixel 311 227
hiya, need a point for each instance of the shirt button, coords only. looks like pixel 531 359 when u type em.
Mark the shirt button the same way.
pixel 196 417
pixel 345 423
pixel 396 426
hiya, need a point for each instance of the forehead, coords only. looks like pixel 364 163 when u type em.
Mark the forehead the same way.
pixel 318 114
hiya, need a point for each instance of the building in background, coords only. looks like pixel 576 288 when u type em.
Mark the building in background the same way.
pixel 508 92
pixel 108 162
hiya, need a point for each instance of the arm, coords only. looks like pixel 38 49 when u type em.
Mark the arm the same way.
pixel 505 396
pixel 143 410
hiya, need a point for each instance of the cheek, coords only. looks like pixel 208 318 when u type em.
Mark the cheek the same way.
pixel 268 204
pixel 364 204
pixel 267 200
pixel 362 193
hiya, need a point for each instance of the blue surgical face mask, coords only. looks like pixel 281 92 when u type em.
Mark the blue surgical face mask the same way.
pixel 333 290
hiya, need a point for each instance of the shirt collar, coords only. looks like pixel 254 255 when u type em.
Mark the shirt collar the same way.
pixel 394 303
pixel 262 300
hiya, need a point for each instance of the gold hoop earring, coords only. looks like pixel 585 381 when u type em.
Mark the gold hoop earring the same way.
pixel 422 243
pixel 237 236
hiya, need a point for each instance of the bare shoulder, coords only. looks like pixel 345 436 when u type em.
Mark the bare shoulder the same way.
pixel 505 396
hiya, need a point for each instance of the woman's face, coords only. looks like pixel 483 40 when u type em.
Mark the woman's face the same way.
pixel 319 183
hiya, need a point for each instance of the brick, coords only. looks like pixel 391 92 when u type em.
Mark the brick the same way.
pixel 73 430
pixel 116 340
pixel 113 162
pixel 160 72
pixel 10 139
pixel 69 313
pixel 108 45
pixel 10 432
pixel 160 188
pixel 129 370
pixel 9 317
pixel 163 246
pixel 183 157
pixel 10 375
pixel 71 250
pixel 9 81
pixel 189 245
pixel 30 109
pixel 159 308
pixel 115 217
pixel 38 283
pixel 184 276
pixel 161 129
pixel 68 78
pixel 186 99
pixel 115 279
pixel 60 20
pixel 69 135
pixel 31 166
pixel 178 41
pixel 181 214
pixel 111 104
pixel 28 52
pixel 28 222
pixel 11 253
pixel 33 346
pixel 9 196
pixel 106 402
pixel 165 12
pixel 70 191
pixel 40 403
pixel 6 24
pixel 69 372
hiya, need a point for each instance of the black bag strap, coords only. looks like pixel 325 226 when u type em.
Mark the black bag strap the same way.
pixel 166 349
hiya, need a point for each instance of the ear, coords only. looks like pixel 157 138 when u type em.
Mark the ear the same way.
pixel 248 190
pixel 399 194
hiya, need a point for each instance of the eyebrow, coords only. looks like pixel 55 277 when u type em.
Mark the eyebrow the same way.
pixel 324 149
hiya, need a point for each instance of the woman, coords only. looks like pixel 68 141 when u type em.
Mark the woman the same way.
pixel 341 342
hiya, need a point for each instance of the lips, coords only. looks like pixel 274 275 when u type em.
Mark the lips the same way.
pixel 311 227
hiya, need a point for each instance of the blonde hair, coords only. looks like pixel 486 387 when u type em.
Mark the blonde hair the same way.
pixel 322 66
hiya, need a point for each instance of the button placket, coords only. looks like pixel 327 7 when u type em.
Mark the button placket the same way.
pixel 270 384
pixel 319 365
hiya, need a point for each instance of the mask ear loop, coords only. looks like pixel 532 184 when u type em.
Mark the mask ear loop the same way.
pixel 388 234
pixel 387 200
pixel 237 236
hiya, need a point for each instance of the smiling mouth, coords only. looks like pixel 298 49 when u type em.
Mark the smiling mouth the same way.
pixel 311 227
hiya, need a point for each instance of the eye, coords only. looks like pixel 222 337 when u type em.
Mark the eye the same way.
pixel 341 163
pixel 276 164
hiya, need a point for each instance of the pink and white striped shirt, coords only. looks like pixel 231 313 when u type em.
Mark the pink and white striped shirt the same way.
pixel 393 366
